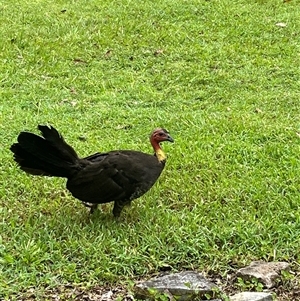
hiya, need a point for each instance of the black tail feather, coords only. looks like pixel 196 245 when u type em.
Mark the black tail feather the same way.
pixel 53 137
pixel 49 155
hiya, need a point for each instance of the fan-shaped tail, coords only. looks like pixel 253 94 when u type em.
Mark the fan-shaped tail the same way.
pixel 49 155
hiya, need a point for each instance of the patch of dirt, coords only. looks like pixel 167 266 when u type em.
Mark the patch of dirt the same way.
pixel 286 289
pixel 76 293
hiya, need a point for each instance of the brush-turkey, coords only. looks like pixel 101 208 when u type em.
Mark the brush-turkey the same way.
pixel 119 176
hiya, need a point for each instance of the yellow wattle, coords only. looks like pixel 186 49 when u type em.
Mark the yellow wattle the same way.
pixel 161 156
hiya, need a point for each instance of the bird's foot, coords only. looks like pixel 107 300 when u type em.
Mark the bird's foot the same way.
pixel 93 208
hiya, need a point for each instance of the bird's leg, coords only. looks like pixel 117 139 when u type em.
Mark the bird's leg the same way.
pixel 118 207
pixel 93 208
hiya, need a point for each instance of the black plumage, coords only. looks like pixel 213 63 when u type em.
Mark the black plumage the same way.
pixel 118 176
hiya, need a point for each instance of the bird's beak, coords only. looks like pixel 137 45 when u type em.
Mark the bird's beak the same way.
pixel 170 139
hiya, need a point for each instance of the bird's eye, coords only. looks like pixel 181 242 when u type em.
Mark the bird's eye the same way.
pixel 160 134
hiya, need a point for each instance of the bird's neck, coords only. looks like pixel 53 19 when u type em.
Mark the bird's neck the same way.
pixel 160 155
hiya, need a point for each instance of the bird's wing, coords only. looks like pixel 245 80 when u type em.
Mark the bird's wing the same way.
pixel 102 180
pixel 97 157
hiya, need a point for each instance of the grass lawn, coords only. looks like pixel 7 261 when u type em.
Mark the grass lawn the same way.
pixel 222 76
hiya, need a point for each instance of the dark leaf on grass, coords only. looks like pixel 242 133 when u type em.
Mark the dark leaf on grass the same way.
pixel 165 268
pixel 82 138
pixel 108 53
pixel 79 61
pixel 63 10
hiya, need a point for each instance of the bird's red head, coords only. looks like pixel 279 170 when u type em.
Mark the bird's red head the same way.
pixel 157 136
pixel 160 135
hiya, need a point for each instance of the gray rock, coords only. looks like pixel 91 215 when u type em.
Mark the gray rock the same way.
pixel 186 285
pixel 251 296
pixel 264 272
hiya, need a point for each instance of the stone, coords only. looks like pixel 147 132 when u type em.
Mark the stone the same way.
pixel 264 272
pixel 251 296
pixel 181 286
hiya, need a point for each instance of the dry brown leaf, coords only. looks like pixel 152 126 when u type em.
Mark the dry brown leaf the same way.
pixel 79 61
pixel 108 53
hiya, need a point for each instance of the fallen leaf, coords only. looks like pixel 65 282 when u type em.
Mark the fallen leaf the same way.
pixel 281 24
pixel 123 127
pixel 258 110
pixel 82 138
pixel 158 52
pixel 107 296
pixel 108 53
pixel 79 61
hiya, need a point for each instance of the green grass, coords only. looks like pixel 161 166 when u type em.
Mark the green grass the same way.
pixel 220 75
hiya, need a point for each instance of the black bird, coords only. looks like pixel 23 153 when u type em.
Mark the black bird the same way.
pixel 118 176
